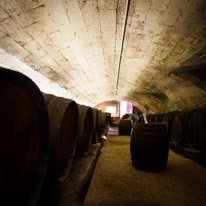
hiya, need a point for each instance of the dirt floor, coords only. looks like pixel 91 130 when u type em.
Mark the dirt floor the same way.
pixel 116 182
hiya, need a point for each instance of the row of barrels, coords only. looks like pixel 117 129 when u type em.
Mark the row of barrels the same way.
pixel 187 129
pixel 40 135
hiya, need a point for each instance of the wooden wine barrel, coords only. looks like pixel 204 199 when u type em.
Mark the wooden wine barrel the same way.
pixel 100 125
pixel 85 130
pixel 108 119
pixel 24 138
pixel 48 98
pixel 166 119
pixel 177 128
pixel 64 124
pixel 196 130
pixel 158 118
pixel 149 147
pixel 124 127
pixel 104 123
pixel 141 118
pixel 107 122
pixel 151 118
pixel 95 126
pixel 148 117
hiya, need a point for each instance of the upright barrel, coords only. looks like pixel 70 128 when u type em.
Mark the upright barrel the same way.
pixel 196 130
pixel 149 147
pixel 124 127
pixel 85 130
pixel 64 124
pixel 24 138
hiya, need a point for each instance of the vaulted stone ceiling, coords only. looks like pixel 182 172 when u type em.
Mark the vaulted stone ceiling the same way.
pixel 143 51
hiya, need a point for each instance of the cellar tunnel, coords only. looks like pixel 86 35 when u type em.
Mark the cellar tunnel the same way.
pixel 69 61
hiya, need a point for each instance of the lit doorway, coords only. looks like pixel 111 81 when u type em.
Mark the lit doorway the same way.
pixel 125 107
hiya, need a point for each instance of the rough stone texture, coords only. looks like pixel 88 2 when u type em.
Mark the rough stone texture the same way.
pixel 77 45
